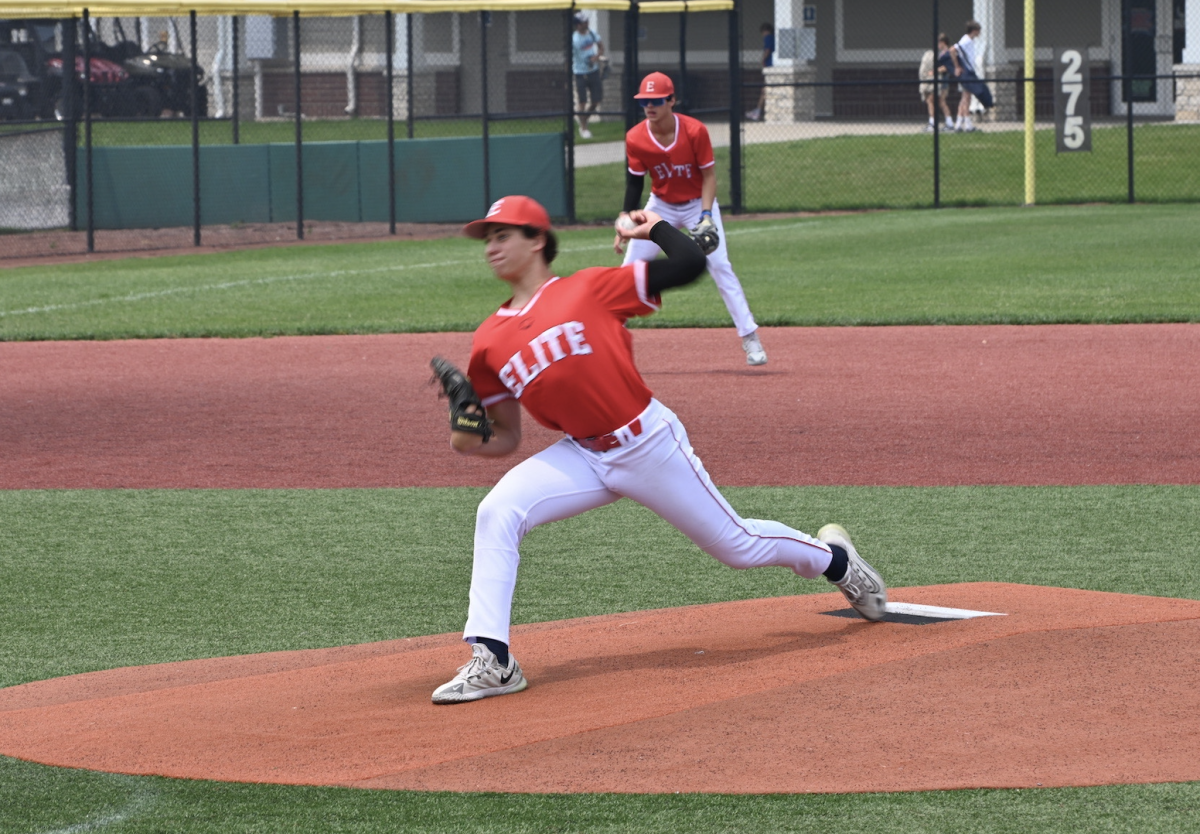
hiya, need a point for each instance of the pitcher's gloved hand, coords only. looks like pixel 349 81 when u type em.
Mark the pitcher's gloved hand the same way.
pixel 466 411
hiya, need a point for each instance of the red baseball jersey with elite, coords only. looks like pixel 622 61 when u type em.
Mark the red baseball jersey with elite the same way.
pixel 567 355
pixel 675 169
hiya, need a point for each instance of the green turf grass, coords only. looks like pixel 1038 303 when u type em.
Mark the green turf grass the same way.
pixel 98 579
pixel 43 799
pixel 843 172
pixel 149 132
pixel 94 579
pixel 854 172
pixel 1052 264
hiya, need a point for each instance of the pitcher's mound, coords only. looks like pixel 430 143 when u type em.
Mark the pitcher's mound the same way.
pixel 1066 688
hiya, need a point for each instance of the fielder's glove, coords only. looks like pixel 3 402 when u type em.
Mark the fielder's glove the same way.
pixel 457 388
pixel 705 234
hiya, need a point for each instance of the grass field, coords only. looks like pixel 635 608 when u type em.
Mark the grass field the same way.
pixel 97 579
pixel 979 169
pixel 1053 264
pixel 845 172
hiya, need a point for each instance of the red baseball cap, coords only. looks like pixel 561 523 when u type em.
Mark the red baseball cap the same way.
pixel 655 85
pixel 514 210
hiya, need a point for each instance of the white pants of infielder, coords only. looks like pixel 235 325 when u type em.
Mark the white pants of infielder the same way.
pixel 659 470
pixel 685 216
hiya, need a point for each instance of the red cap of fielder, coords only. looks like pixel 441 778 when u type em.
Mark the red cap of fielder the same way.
pixel 655 85
pixel 514 210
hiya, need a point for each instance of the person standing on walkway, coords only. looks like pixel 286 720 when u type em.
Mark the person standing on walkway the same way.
pixel 587 56
pixel 559 348
pixel 676 152
pixel 768 35
pixel 933 85
pixel 963 56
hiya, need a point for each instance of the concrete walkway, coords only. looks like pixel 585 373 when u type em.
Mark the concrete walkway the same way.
pixel 602 153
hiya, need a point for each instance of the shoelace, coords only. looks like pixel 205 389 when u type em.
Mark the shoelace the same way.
pixel 468 670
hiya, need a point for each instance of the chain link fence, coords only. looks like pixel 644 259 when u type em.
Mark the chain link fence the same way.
pixel 287 125
pixel 811 106
pixel 851 115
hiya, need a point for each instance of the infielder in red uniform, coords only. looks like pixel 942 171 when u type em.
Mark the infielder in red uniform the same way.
pixel 676 151
pixel 560 348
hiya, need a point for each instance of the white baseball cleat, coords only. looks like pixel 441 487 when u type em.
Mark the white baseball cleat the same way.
pixel 584 133
pixel 482 677
pixel 755 355
pixel 862 585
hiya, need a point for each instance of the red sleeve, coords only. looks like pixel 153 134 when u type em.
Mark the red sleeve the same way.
pixel 636 166
pixel 701 145
pixel 483 379
pixel 622 290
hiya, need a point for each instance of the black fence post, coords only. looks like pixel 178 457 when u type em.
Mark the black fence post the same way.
pixel 87 128
pixel 1127 85
pixel 408 81
pixel 735 110
pixel 568 112
pixel 236 101
pixel 937 126
pixel 485 20
pixel 192 92
pixel 391 124
pixel 682 92
pixel 632 76
pixel 70 126
pixel 1129 141
pixel 299 130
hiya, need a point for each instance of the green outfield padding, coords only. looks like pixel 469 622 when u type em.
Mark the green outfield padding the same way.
pixel 437 181
pixel 151 187
pixel 330 182
pixel 441 180
pixel 235 184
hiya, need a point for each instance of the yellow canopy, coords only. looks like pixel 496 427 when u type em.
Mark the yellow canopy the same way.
pixel 338 8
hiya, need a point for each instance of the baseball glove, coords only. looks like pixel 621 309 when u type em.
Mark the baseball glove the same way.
pixel 457 388
pixel 705 235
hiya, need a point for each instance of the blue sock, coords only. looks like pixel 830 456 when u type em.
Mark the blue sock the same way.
pixel 500 650
pixel 838 566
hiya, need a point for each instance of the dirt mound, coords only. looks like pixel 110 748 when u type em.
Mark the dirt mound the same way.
pixel 1067 688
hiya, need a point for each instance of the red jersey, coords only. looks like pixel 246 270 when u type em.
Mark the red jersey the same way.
pixel 567 355
pixel 675 169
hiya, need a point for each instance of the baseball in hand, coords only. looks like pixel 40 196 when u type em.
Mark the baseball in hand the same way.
pixel 626 222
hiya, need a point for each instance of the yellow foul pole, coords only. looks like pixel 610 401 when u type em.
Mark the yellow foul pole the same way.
pixel 1030 158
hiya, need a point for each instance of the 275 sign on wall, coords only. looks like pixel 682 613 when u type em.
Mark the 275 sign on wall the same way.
pixel 1072 101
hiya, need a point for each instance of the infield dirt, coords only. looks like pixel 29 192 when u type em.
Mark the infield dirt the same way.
pixel 1068 688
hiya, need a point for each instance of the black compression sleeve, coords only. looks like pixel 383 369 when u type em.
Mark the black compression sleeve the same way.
pixel 633 190
pixel 684 262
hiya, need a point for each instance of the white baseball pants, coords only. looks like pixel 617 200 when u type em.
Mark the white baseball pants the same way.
pixel 659 470
pixel 684 216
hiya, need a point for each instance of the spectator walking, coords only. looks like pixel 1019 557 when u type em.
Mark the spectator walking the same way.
pixel 969 82
pixel 587 57
pixel 934 86
pixel 768 36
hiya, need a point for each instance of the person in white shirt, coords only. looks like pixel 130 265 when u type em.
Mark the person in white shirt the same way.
pixel 965 67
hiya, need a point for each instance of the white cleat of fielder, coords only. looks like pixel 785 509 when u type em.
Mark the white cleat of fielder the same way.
pixel 755 355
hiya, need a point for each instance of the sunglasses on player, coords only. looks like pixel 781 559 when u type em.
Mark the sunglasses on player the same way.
pixel 652 102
